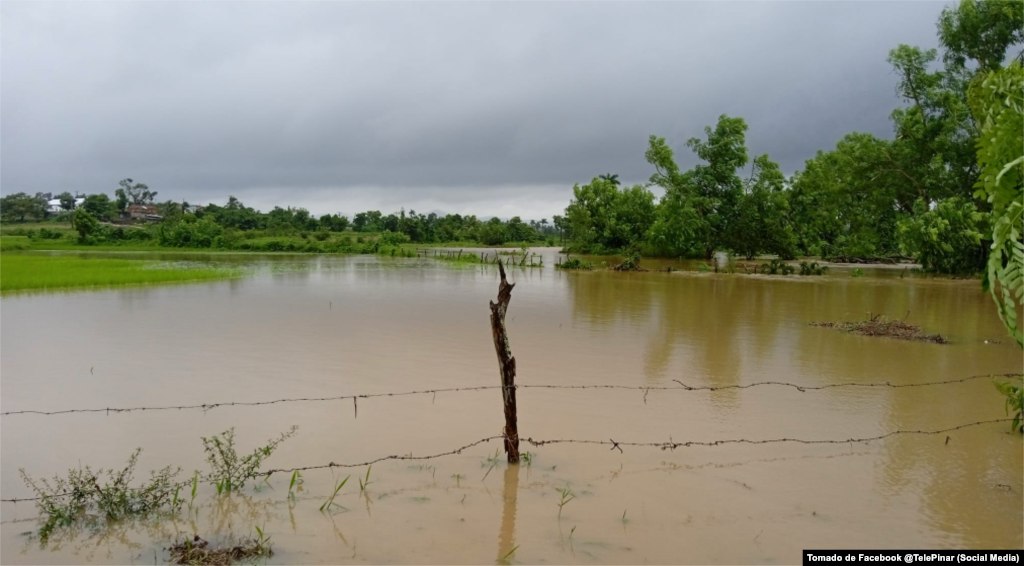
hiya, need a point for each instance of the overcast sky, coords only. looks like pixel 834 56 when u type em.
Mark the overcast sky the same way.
pixel 485 108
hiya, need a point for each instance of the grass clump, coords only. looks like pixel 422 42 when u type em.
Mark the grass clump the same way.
pixel 79 497
pixel 15 243
pixel 576 263
pixel 857 272
pixel 37 272
pixel 228 470
pixel 198 552
pixel 879 326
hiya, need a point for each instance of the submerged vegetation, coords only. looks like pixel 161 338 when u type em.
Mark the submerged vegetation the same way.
pixel 878 326
pixel 36 272
pixel 575 263
pixel 79 498
pixel 198 552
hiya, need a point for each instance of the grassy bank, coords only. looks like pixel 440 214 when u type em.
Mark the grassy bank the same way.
pixel 20 272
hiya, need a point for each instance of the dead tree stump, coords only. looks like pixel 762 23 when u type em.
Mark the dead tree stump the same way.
pixel 506 364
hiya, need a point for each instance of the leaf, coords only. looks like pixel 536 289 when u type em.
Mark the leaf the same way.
pixel 1008 167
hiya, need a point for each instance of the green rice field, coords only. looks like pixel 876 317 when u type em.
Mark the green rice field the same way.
pixel 20 272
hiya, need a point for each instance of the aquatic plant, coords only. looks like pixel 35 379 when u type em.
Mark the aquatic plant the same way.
pixel 80 497
pixel 812 268
pixel 295 481
pixel 330 500
pixel 857 272
pixel 777 267
pixel 576 263
pixel 363 484
pixel 228 470
pixel 504 559
pixel 567 496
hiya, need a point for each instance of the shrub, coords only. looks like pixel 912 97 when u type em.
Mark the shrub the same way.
pixel 228 470
pixel 777 267
pixel 190 233
pixel 79 496
pixel 389 238
pixel 947 239
pixel 812 268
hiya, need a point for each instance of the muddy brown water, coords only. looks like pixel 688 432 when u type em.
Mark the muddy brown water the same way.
pixel 323 326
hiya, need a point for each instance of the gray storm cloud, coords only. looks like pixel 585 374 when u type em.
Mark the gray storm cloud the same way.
pixel 492 108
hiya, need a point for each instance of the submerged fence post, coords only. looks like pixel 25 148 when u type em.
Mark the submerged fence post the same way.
pixel 506 364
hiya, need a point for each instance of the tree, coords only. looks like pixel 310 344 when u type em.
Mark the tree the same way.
pixel 947 239
pixel 699 204
pixel 122 199
pixel 559 223
pixel 137 193
pixel 845 204
pixel 19 205
pixel 613 179
pixel 762 223
pixel 67 200
pixel 98 205
pixel 602 218
pixel 997 102
pixel 86 225
pixel 980 32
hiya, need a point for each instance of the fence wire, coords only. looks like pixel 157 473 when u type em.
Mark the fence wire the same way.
pixel 644 389
pixel 669 445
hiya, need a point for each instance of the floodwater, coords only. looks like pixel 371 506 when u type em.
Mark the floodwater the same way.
pixel 330 326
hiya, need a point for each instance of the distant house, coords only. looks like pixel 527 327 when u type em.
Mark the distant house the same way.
pixel 53 206
pixel 142 212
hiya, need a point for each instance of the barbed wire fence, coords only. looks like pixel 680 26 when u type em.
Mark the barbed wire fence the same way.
pixel 662 445
pixel 644 389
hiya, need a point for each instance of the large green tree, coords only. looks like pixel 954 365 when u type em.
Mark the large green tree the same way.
pixel 601 218
pixel 699 204
pixel 762 221
pixel 18 206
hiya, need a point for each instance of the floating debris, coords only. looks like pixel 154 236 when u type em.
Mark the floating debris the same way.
pixel 198 551
pixel 879 326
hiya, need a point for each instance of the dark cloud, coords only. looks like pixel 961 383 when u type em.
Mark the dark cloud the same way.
pixel 496 108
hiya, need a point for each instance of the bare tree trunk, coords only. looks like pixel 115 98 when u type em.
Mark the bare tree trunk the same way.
pixel 506 364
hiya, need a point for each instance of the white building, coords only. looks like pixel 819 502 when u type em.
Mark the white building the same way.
pixel 53 206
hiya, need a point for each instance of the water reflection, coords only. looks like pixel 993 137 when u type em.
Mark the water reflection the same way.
pixel 509 494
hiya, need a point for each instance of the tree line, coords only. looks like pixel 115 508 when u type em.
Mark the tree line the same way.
pixel 868 198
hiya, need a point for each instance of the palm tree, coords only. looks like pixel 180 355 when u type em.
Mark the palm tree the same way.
pixel 613 179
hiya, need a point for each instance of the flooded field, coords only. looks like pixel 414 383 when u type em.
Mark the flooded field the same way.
pixel 323 326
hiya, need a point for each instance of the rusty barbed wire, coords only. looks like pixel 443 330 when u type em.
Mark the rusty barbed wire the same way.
pixel 670 445
pixel 645 389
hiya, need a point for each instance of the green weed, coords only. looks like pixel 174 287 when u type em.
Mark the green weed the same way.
pixel 363 484
pixel 567 496
pixel 330 500
pixel 228 470
pixel 80 497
